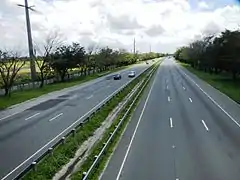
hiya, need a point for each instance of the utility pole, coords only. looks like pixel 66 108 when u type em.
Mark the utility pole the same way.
pixel 30 43
pixel 150 48
pixel 134 46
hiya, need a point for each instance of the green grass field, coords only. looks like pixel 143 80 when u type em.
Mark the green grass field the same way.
pixel 222 82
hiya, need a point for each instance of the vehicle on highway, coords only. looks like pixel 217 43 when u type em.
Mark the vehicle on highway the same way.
pixel 147 62
pixel 131 74
pixel 117 77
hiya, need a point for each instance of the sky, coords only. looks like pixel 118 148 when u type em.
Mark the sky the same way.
pixel 162 24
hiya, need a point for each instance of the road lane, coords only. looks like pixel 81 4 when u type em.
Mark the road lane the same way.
pixel 20 138
pixel 144 160
pixel 204 143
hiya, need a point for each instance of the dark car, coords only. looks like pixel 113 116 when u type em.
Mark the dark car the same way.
pixel 131 74
pixel 117 76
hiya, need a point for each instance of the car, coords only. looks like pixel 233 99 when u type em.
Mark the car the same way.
pixel 117 77
pixel 131 74
pixel 147 62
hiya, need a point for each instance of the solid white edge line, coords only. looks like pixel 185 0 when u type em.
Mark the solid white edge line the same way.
pixel 65 130
pixel 32 116
pixel 190 100
pixel 56 117
pixel 213 100
pixel 171 122
pixel 135 130
pixel 205 125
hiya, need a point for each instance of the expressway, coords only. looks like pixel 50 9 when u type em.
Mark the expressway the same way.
pixel 182 129
pixel 24 133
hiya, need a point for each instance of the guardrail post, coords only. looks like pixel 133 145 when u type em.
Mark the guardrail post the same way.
pixel 34 164
pixel 110 136
pixel 84 174
pixel 63 140
pixel 74 132
pixel 50 151
pixel 80 124
pixel 104 144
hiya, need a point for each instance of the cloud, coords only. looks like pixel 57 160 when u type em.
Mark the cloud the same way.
pixel 123 22
pixel 161 23
pixel 211 28
pixel 203 5
pixel 155 30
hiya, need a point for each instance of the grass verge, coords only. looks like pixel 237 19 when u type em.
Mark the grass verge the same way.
pixel 51 164
pixel 21 96
pixel 222 82
pixel 98 147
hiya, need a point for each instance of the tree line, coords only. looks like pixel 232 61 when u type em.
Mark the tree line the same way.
pixel 214 54
pixel 59 60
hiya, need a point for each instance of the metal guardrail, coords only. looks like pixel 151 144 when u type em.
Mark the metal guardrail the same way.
pixel 31 162
pixel 97 157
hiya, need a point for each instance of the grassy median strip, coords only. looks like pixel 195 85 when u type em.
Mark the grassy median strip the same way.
pixel 98 147
pixel 24 95
pixel 51 164
pixel 223 83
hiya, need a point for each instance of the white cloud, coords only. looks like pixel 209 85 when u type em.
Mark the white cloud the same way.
pixel 155 30
pixel 165 24
pixel 203 5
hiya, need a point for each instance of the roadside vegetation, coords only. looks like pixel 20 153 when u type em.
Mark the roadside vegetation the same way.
pixel 215 59
pixel 65 64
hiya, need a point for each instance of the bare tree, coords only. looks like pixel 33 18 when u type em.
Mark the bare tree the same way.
pixel 10 65
pixel 49 46
pixel 91 62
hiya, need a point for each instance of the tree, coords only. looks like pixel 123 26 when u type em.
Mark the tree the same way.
pixel 214 54
pixel 67 57
pixel 104 59
pixel 50 45
pixel 10 65
pixel 91 60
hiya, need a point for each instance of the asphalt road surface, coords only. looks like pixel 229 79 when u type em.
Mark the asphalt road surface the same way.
pixel 23 134
pixel 181 130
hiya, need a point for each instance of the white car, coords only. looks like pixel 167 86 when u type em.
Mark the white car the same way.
pixel 131 74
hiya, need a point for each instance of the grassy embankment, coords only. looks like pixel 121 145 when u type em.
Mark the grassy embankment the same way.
pixel 223 82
